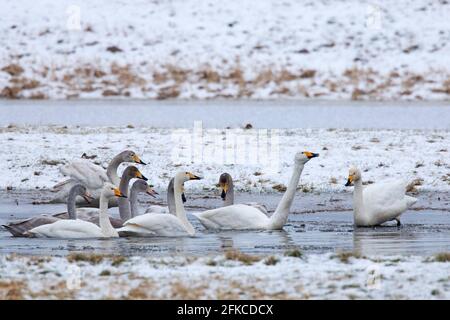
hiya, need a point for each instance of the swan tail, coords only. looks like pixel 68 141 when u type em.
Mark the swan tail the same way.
pixel 410 201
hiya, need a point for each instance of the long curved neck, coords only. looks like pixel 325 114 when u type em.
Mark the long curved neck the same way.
pixel 279 218
pixel 171 197
pixel 179 207
pixel 105 223
pixel 71 204
pixel 123 203
pixel 111 171
pixel 229 199
pixel 133 202
pixel 358 203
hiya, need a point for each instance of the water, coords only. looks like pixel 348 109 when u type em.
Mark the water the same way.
pixel 423 232
pixel 222 114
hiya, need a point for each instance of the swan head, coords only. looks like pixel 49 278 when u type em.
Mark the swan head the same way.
pixel 81 190
pixel 225 181
pixel 133 172
pixel 186 176
pixel 305 156
pixel 109 190
pixel 130 156
pixel 353 175
pixel 142 186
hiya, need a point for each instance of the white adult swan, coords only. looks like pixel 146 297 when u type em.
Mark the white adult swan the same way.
pixel 378 203
pixel 77 229
pixel 227 193
pixel 160 224
pixel 92 176
pixel 19 228
pixel 244 217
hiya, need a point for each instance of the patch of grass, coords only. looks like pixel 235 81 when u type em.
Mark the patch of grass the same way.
pixel 211 263
pixel 344 256
pixel 435 292
pixel 105 273
pixel 442 257
pixel 242 257
pixel 295 253
pixel 91 258
pixel 117 260
pixel 271 261
pixel 279 187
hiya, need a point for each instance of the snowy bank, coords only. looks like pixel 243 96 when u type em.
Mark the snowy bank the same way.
pixel 31 155
pixel 200 49
pixel 230 276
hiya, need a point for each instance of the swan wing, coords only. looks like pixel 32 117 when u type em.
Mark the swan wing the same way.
pixel 157 209
pixel 85 172
pixel 258 206
pixel 68 229
pixel 20 228
pixel 238 216
pixel 158 224
pixel 90 215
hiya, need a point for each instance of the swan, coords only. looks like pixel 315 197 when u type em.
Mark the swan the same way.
pixel 170 202
pixel 139 186
pixel 378 203
pixel 244 217
pixel 227 193
pixel 18 229
pixel 77 229
pixel 92 176
pixel 160 224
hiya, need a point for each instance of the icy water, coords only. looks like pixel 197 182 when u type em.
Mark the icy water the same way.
pixel 221 114
pixel 324 229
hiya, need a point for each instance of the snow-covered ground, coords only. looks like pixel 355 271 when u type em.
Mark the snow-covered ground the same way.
pixel 31 155
pixel 229 276
pixel 205 48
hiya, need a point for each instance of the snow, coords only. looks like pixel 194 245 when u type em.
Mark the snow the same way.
pixel 206 49
pixel 32 155
pixel 314 276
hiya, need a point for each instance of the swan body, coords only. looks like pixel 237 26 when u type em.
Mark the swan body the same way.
pixel 75 229
pixel 163 225
pixel 246 217
pixel 378 203
pixel 92 176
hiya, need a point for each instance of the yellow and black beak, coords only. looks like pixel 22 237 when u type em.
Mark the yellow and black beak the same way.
pixel 349 181
pixel 310 155
pixel 139 175
pixel 151 192
pixel 224 189
pixel 119 194
pixel 136 159
pixel 193 176
pixel 88 197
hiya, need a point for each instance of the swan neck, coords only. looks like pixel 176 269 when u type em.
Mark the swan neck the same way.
pixel 133 202
pixel 279 218
pixel 111 171
pixel 229 199
pixel 123 203
pixel 179 207
pixel 71 204
pixel 171 197
pixel 105 224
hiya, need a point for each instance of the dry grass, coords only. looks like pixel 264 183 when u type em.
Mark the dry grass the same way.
pixel 13 69
pixel 11 290
pixel 82 257
pixel 242 257
pixel 442 257
pixel 279 187
pixel 344 256
pixel 295 253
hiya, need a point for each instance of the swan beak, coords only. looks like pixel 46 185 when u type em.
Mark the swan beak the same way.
pixel 151 192
pixel 311 155
pixel 139 175
pixel 138 160
pixel 88 197
pixel 119 194
pixel 349 181
pixel 193 176
pixel 224 188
